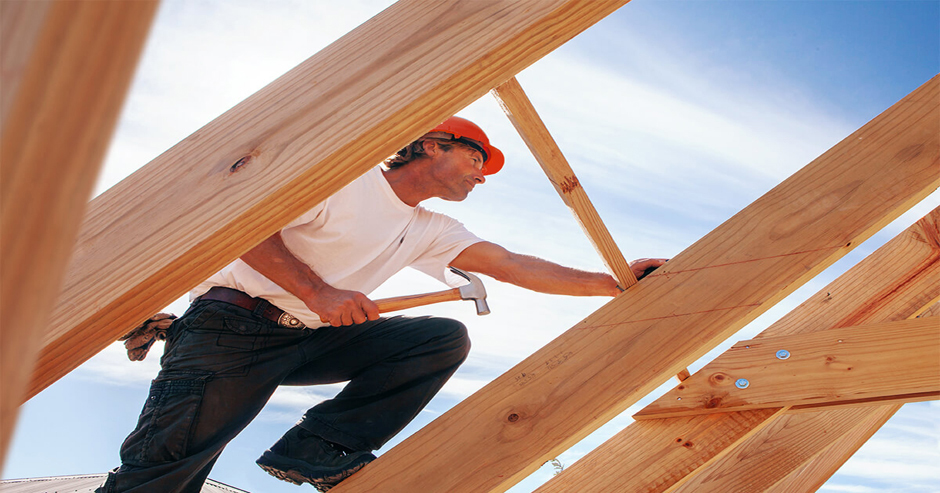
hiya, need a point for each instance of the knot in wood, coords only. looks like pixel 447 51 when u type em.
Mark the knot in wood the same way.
pixel 713 403
pixel 513 418
pixel 718 379
pixel 569 184
pixel 238 164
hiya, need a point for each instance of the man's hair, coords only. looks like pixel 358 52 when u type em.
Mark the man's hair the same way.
pixel 415 150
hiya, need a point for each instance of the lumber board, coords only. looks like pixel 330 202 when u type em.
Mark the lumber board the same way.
pixel 522 114
pixel 866 293
pixel 624 350
pixel 886 361
pixel 683 445
pixel 811 475
pixel 815 472
pixel 284 149
pixel 760 461
pixel 66 69
pixel 514 102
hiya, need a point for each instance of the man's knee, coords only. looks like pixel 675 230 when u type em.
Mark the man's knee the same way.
pixel 452 336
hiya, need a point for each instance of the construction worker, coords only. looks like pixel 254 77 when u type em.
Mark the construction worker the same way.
pixel 293 311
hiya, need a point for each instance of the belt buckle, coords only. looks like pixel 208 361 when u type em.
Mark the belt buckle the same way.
pixel 290 321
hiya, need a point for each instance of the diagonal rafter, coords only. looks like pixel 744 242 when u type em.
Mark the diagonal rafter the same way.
pixel 284 149
pixel 811 475
pixel 867 293
pixel 66 68
pixel 785 444
pixel 595 370
pixel 523 116
pixel 536 136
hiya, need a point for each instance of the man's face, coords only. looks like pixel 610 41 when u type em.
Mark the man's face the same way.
pixel 457 171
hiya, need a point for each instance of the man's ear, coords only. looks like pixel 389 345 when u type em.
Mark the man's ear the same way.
pixel 431 147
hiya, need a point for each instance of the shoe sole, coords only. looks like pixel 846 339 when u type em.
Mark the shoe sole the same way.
pixel 299 472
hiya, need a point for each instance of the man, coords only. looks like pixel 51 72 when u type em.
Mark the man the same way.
pixel 293 311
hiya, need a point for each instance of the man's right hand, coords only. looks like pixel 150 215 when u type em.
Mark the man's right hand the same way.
pixel 339 307
pixel 336 307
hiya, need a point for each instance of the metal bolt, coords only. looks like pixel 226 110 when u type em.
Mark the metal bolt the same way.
pixel 783 354
pixel 741 383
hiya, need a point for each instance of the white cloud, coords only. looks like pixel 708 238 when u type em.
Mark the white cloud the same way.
pixel 111 366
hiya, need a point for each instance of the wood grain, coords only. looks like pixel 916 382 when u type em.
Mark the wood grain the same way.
pixel 898 360
pixel 284 149
pixel 647 334
pixel 682 445
pixel 66 67
pixel 812 473
pixel 761 460
pixel 866 292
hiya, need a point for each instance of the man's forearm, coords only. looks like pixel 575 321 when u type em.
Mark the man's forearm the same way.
pixel 275 261
pixel 337 307
pixel 548 277
pixel 534 273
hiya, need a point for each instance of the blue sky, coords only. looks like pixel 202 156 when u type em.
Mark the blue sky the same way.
pixel 674 115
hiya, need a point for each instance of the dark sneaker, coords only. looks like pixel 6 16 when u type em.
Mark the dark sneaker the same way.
pixel 302 457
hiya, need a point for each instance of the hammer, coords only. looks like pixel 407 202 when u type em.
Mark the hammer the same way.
pixel 473 291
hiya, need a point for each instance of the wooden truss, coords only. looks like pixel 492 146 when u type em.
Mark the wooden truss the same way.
pixel 327 121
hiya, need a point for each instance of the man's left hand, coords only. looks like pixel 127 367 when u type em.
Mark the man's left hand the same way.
pixel 644 266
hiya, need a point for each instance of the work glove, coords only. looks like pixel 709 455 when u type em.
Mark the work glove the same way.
pixel 138 341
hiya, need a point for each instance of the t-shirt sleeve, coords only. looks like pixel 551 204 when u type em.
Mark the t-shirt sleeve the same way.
pixel 452 239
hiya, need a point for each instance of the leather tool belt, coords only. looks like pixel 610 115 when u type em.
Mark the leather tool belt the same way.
pixel 258 306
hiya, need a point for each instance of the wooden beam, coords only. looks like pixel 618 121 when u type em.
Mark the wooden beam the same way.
pixel 812 474
pixel 597 369
pixel 523 116
pixel 877 362
pixel 623 464
pixel 66 68
pixel 760 461
pixel 284 149
pixel 514 102
pixel 867 293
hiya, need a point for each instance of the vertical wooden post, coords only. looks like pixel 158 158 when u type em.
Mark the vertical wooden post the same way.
pixel 66 69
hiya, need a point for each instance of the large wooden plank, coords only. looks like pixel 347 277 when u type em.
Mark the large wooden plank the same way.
pixel 759 462
pixel 885 361
pixel 814 472
pixel 523 116
pixel 868 293
pixel 684 445
pixel 286 148
pixel 634 343
pixel 66 68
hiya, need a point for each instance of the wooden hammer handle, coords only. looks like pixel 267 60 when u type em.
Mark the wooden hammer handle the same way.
pixel 401 302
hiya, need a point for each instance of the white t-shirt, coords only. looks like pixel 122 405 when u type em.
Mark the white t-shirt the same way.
pixel 356 240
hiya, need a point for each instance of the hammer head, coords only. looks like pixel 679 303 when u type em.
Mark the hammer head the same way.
pixel 473 291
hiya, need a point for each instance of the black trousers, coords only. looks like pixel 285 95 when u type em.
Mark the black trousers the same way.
pixel 222 363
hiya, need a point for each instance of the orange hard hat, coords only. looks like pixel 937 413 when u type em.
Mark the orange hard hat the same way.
pixel 469 133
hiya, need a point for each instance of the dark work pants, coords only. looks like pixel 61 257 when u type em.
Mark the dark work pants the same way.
pixel 221 365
